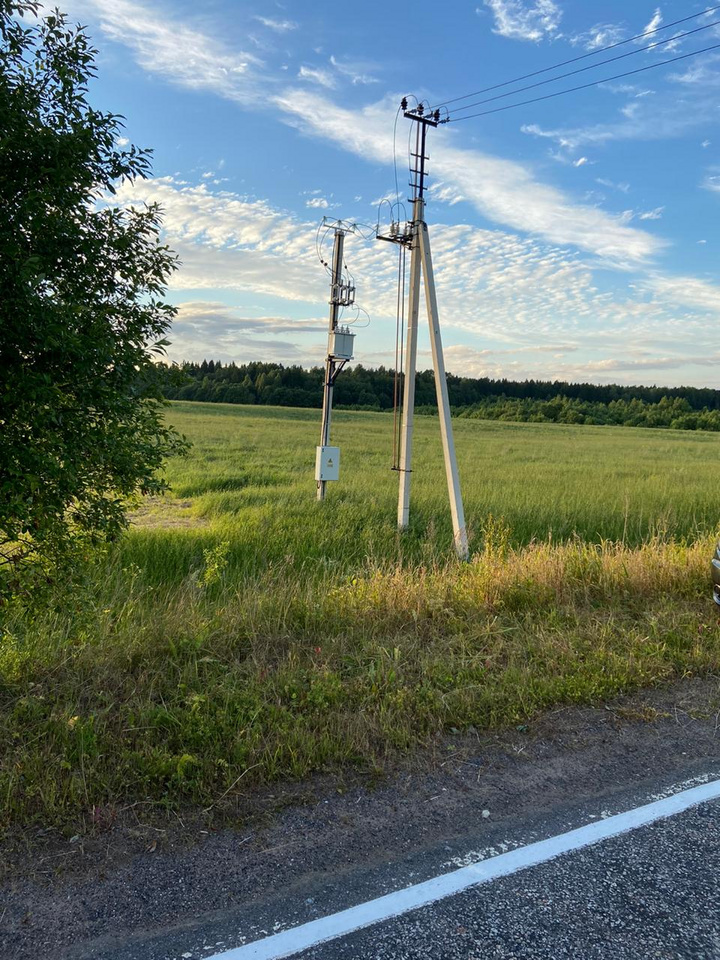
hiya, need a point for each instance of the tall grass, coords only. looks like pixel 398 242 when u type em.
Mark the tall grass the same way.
pixel 249 480
pixel 242 629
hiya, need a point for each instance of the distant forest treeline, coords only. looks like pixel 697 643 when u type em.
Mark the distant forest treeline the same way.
pixel 538 401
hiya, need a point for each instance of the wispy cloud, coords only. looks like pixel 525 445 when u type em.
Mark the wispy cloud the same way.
pixel 504 191
pixel 317 203
pixel 644 118
pixel 205 328
pixel 688 292
pixel 654 23
pixel 622 187
pixel 168 47
pixel 531 20
pixel 533 302
pixel 359 72
pixel 601 35
pixel 655 214
pixel 700 73
pixel 279 26
pixel 616 368
pixel 317 75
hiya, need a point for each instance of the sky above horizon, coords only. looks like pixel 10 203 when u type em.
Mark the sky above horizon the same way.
pixel 575 238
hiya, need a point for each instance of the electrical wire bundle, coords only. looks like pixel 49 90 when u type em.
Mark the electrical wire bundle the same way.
pixel 454 114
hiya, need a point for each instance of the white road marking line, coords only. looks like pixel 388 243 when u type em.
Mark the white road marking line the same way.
pixel 312 934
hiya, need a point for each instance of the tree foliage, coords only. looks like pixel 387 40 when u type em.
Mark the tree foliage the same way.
pixel 681 408
pixel 81 308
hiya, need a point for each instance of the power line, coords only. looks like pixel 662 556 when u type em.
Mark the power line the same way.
pixel 566 63
pixel 592 66
pixel 583 86
pixel 397 188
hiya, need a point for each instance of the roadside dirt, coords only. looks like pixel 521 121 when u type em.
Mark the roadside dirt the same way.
pixel 134 869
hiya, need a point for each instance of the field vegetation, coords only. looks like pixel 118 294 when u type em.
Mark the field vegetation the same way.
pixel 242 633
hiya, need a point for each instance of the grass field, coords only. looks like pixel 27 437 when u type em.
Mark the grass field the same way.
pixel 243 633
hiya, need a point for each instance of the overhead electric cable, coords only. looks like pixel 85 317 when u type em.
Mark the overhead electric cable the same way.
pixel 566 63
pixel 591 66
pixel 583 86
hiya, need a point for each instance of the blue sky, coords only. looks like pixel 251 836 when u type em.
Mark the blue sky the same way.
pixel 575 238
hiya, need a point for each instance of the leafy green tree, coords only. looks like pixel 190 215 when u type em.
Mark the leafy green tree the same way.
pixel 81 308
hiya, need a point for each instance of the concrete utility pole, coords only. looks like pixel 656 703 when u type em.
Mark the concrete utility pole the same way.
pixel 421 263
pixel 340 350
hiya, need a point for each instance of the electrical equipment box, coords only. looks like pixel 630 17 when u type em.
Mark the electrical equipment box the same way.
pixel 341 344
pixel 327 463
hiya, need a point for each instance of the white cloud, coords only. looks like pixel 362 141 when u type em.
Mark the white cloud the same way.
pixel 166 46
pixel 521 365
pixel 207 328
pixel 655 214
pixel 227 241
pixel 654 23
pixel 526 291
pixel 531 20
pixel 646 369
pixel 317 75
pixel 504 191
pixel 580 162
pixel 318 203
pixel 601 35
pixel 529 299
pixel 712 182
pixel 279 26
pixel 358 71
pixel 700 73
pixel 644 118
pixel 622 187
pixel 688 292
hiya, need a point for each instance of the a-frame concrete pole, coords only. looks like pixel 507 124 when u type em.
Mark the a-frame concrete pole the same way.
pixel 443 402
pixel 408 411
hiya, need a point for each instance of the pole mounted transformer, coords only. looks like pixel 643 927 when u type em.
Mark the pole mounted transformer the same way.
pixel 340 351
pixel 415 236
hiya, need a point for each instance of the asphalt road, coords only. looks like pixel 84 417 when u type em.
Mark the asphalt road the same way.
pixel 654 893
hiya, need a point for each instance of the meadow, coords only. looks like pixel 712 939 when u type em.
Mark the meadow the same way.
pixel 241 633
